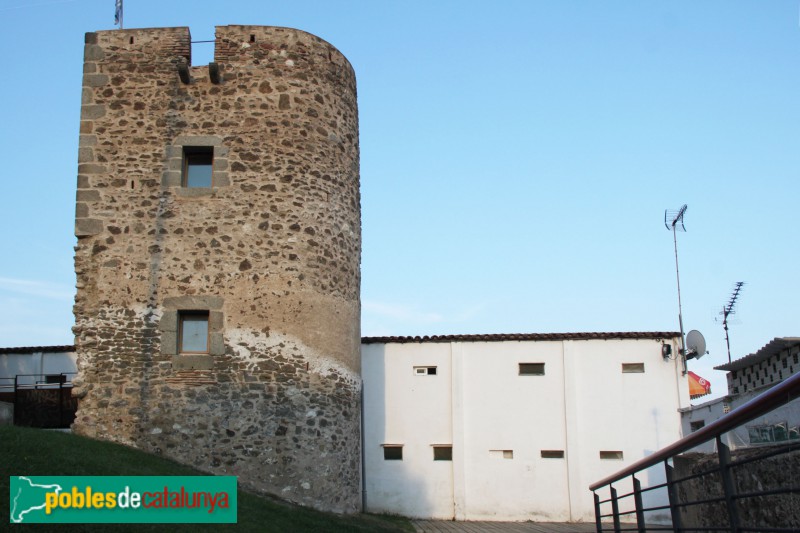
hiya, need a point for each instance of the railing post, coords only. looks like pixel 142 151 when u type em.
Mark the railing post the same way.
pixel 724 454
pixel 637 499
pixel 16 407
pixel 61 401
pixel 672 491
pixel 597 521
pixel 615 509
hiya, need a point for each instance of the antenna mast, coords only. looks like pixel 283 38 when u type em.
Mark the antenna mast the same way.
pixel 729 309
pixel 674 220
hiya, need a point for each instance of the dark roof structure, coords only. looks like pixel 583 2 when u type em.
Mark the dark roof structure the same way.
pixel 499 337
pixel 776 345
pixel 37 349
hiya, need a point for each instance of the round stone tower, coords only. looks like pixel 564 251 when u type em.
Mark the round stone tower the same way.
pixel 218 257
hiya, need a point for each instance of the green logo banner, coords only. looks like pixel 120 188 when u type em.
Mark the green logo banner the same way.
pixel 122 500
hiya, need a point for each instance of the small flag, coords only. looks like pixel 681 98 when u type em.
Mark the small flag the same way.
pixel 118 13
pixel 698 386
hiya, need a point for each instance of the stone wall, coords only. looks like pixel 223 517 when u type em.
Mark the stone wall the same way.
pixel 772 473
pixel 271 251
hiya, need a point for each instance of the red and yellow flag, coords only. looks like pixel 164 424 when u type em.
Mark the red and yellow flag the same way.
pixel 698 386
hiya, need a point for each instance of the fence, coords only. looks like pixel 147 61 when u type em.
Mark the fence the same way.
pixel 41 400
pixel 755 489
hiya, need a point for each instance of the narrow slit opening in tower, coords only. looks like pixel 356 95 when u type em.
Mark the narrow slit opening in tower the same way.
pixel 202 52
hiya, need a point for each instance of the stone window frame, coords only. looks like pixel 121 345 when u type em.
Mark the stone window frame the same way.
pixel 175 164
pixel 170 331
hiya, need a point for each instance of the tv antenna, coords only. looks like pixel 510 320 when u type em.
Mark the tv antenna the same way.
pixel 673 220
pixel 728 310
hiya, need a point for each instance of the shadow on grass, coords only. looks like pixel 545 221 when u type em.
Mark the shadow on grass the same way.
pixel 35 452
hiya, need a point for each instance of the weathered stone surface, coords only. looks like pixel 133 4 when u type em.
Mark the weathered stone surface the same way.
pixel 283 304
pixel 768 511
pixel 92 112
pixel 85 227
pixel 95 80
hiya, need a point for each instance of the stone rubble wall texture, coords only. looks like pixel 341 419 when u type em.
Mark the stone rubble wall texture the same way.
pixel 772 473
pixel 274 245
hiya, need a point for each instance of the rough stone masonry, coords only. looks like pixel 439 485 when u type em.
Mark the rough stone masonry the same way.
pixel 217 322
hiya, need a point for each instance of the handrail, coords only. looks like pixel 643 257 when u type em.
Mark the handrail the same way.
pixel 781 394
pixel 33 375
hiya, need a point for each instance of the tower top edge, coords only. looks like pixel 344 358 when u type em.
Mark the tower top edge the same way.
pixel 228 32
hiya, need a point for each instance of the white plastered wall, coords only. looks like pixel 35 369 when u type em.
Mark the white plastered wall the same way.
pixel 477 401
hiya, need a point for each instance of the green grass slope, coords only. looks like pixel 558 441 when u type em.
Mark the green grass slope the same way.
pixel 34 452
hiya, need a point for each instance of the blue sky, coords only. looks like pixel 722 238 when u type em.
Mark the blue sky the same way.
pixel 517 158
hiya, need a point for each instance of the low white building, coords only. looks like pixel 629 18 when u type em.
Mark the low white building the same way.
pixel 32 365
pixel 748 377
pixel 512 427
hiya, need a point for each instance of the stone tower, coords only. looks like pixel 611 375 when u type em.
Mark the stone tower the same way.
pixel 218 257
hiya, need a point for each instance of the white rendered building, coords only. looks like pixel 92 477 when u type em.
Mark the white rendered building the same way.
pixel 35 364
pixel 512 427
pixel 748 377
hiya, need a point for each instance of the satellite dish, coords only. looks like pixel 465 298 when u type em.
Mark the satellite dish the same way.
pixel 695 345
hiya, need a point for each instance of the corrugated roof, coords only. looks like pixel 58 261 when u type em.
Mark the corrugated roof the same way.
pixel 37 349
pixel 499 337
pixel 778 344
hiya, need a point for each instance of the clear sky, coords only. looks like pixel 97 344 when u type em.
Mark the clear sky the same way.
pixel 516 160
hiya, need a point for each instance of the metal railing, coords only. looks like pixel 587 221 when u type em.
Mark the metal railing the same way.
pixel 715 489
pixel 44 400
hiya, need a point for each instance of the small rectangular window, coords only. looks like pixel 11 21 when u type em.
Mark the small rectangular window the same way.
pixel 501 454
pixel 697 424
pixel 392 452
pixel 442 452
pixel 531 369
pixel 424 370
pixel 55 378
pixel 197 165
pixel 193 332
pixel 632 368
pixel 614 455
pixel 552 454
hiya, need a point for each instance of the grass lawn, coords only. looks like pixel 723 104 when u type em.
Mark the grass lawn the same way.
pixel 35 452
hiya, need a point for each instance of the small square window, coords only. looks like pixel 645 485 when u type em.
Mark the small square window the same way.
pixel 697 424
pixel 442 453
pixel 614 455
pixel 632 368
pixel 424 370
pixel 392 452
pixel 552 454
pixel 193 336
pixel 197 165
pixel 531 369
